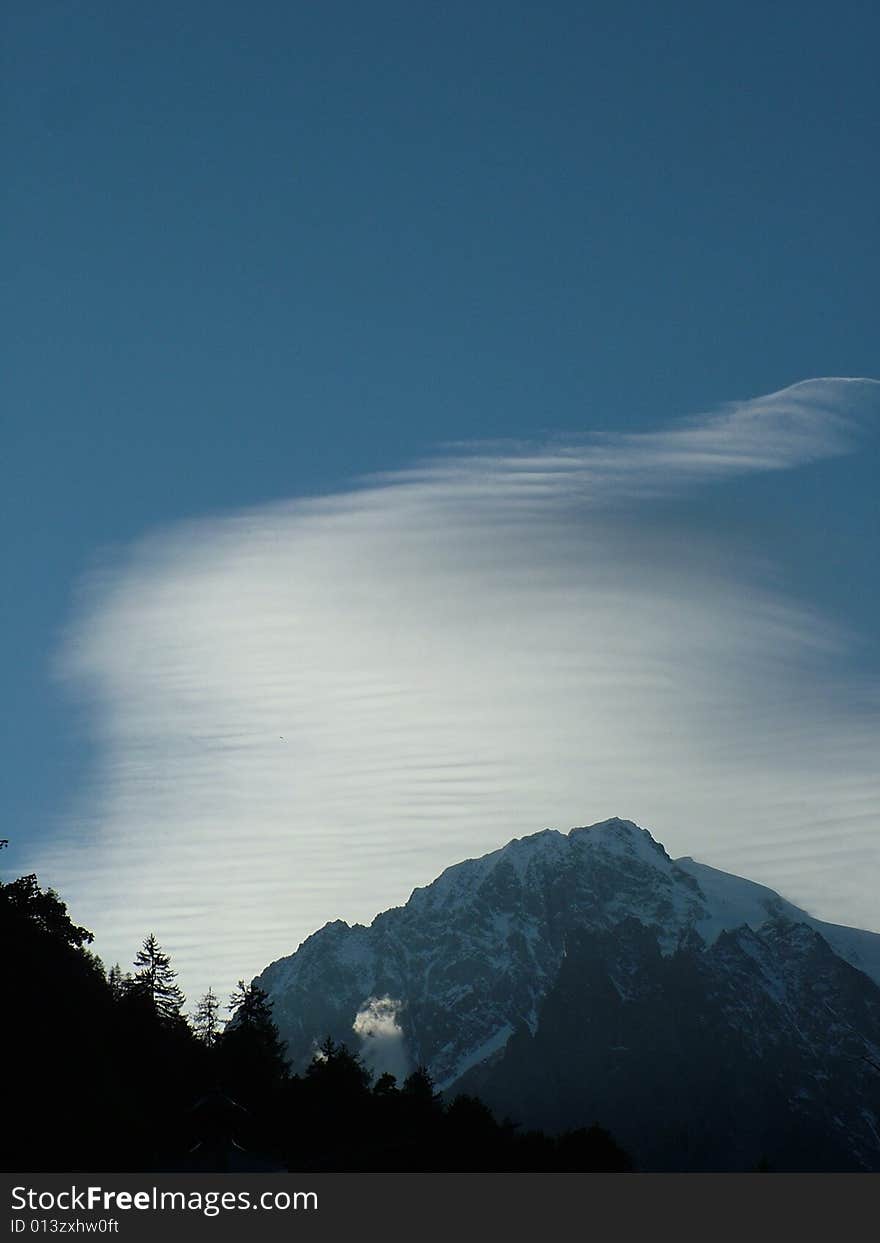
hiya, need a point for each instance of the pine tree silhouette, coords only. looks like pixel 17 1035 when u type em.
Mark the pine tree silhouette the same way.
pixel 419 1087
pixel 251 1053
pixel 153 982
pixel 337 1070
pixel 117 981
pixel 206 1024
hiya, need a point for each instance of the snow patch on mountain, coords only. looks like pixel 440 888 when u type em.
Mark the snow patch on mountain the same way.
pixel 481 1053
pixel 732 900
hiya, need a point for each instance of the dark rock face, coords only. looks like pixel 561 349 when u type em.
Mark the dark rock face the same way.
pixel 588 977
pixel 751 1051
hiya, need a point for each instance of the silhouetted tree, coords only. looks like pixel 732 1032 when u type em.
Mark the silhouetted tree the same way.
pixel 251 1052
pixel 334 1063
pixel 205 1022
pixel 251 1007
pixel 44 910
pixel 107 1075
pixel 153 982
pixel 55 1032
pixel 117 981
pixel 419 1087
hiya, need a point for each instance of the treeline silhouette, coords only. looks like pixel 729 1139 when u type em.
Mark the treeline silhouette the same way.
pixel 102 1070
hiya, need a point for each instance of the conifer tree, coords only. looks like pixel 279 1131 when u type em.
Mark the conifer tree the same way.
pixel 252 1012
pixel 117 982
pixel 336 1069
pixel 419 1087
pixel 153 982
pixel 206 1023
pixel 251 1050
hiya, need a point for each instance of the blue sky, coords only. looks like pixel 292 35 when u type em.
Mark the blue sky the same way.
pixel 255 256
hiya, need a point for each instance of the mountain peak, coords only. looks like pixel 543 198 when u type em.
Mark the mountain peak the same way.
pixel 613 823
pixel 623 836
pixel 470 956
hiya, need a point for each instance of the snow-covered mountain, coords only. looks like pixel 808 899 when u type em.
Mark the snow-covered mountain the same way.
pixel 460 979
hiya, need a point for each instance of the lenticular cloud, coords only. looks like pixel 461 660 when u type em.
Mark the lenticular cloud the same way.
pixel 304 710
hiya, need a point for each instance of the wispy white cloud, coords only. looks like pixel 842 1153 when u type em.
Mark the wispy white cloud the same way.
pixel 304 710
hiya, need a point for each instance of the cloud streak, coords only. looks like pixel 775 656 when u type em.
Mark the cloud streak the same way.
pixel 303 710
